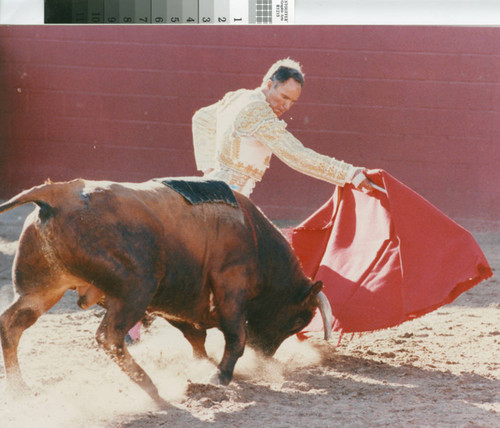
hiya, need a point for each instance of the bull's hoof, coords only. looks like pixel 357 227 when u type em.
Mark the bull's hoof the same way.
pixel 202 356
pixel 18 390
pixel 218 379
pixel 161 403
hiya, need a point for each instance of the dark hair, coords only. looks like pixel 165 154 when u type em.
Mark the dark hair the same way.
pixel 282 74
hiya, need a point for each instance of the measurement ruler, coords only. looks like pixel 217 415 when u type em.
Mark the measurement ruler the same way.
pixel 217 12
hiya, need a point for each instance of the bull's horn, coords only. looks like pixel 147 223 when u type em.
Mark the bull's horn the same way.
pixel 326 313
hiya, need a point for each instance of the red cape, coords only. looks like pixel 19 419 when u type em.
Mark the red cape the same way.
pixel 386 259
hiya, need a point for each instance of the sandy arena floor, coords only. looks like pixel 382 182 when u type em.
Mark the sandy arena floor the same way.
pixel 441 370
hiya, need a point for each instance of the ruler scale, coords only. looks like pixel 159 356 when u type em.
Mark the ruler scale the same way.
pixel 216 12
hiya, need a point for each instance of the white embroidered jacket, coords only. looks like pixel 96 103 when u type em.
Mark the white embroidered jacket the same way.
pixel 236 137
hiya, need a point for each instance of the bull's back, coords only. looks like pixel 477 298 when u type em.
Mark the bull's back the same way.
pixel 117 235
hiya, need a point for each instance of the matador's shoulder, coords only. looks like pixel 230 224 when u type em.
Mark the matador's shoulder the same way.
pixel 254 115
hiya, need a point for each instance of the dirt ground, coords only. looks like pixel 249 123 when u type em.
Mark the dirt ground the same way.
pixel 441 370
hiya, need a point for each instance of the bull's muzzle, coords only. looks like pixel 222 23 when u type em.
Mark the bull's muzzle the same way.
pixel 326 313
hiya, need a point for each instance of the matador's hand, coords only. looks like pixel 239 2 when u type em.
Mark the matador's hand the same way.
pixel 362 183
pixel 366 186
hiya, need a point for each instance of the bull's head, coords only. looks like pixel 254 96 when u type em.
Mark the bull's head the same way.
pixel 268 328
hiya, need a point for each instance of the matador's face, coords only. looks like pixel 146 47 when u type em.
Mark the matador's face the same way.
pixel 282 96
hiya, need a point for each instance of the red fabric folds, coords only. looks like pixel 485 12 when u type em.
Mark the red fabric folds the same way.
pixel 386 259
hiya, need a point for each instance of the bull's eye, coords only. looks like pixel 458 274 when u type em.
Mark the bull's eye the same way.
pixel 298 324
pixel 300 321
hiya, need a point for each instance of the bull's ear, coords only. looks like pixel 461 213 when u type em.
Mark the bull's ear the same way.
pixel 312 291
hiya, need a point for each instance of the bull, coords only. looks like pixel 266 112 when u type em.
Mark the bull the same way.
pixel 144 249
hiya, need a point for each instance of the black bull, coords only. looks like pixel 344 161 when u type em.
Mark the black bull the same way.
pixel 145 249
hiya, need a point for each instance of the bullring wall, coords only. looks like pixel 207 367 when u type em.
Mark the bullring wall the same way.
pixel 115 103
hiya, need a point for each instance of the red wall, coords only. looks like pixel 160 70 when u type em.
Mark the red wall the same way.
pixel 115 102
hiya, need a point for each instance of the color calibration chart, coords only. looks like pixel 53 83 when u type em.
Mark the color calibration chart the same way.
pixel 217 12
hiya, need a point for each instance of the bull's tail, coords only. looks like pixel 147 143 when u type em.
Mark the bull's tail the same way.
pixel 45 196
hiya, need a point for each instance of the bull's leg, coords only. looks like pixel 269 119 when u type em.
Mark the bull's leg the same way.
pixel 194 336
pixel 21 315
pixel 230 294
pixel 111 334
pixel 233 328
